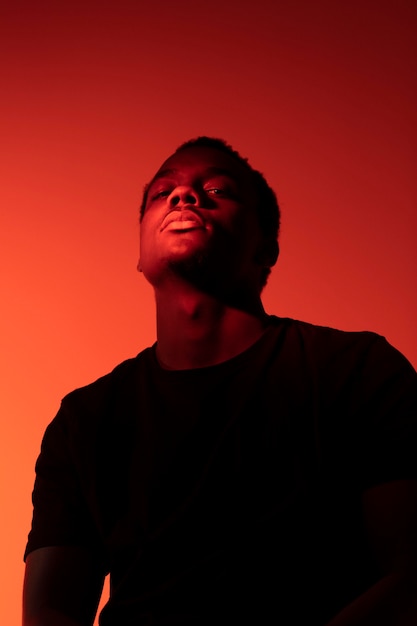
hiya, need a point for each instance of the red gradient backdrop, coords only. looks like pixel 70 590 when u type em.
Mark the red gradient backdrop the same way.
pixel 321 96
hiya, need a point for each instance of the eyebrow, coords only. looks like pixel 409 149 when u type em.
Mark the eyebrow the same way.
pixel 163 174
pixel 220 171
pixel 210 171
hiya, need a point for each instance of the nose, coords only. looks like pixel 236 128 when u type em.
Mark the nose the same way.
pixel 183 195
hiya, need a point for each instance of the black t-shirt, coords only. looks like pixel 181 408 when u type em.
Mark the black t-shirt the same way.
pixel 231 493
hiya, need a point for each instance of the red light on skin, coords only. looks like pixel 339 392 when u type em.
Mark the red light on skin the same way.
pixel 184 219
pixel 181 225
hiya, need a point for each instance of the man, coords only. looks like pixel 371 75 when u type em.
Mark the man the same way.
pixel 245 468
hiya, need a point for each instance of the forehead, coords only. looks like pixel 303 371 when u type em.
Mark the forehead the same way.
pixel 199 160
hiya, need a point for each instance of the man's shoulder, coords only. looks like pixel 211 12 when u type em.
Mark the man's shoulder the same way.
pixel 320 334
pixel 335 349
pixel 122 376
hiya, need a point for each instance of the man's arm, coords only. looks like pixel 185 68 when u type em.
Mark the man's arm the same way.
pixel 390 514
pixel 62 586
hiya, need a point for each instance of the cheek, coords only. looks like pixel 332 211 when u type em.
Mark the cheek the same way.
pixel 146 228
pixel 145 242
pixel 246 231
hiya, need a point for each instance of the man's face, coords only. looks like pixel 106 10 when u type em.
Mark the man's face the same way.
pixel 200 220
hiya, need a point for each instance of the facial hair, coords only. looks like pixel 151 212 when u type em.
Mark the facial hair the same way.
pixel 196 268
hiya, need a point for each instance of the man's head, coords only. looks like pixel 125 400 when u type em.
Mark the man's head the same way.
pixel 207 175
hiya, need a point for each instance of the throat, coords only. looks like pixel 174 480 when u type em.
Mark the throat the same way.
pixel 196 334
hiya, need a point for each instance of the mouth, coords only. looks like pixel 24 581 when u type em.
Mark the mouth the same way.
pixel 182 219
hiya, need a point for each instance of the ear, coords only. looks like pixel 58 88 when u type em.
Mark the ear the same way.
pixel 268 253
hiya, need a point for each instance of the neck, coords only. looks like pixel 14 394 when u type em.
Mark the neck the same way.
pixel 195 329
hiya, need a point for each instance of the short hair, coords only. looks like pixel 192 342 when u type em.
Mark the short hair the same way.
pixel 269 213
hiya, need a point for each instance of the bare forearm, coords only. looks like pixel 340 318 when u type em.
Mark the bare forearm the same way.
pixel 391 602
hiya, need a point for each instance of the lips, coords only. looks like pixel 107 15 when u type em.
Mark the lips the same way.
pixel 182 219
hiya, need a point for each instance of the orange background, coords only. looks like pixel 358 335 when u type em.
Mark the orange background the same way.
pixel 321 96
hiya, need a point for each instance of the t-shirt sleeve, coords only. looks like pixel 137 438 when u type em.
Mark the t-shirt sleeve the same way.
pixel 60 512
pixel 388 388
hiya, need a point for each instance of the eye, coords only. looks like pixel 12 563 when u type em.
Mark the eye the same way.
pixel 163 193
pixel 223 191
pixel 215 191
pixel 222 187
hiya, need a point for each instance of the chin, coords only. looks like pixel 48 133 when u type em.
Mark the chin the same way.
pixel 191 266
